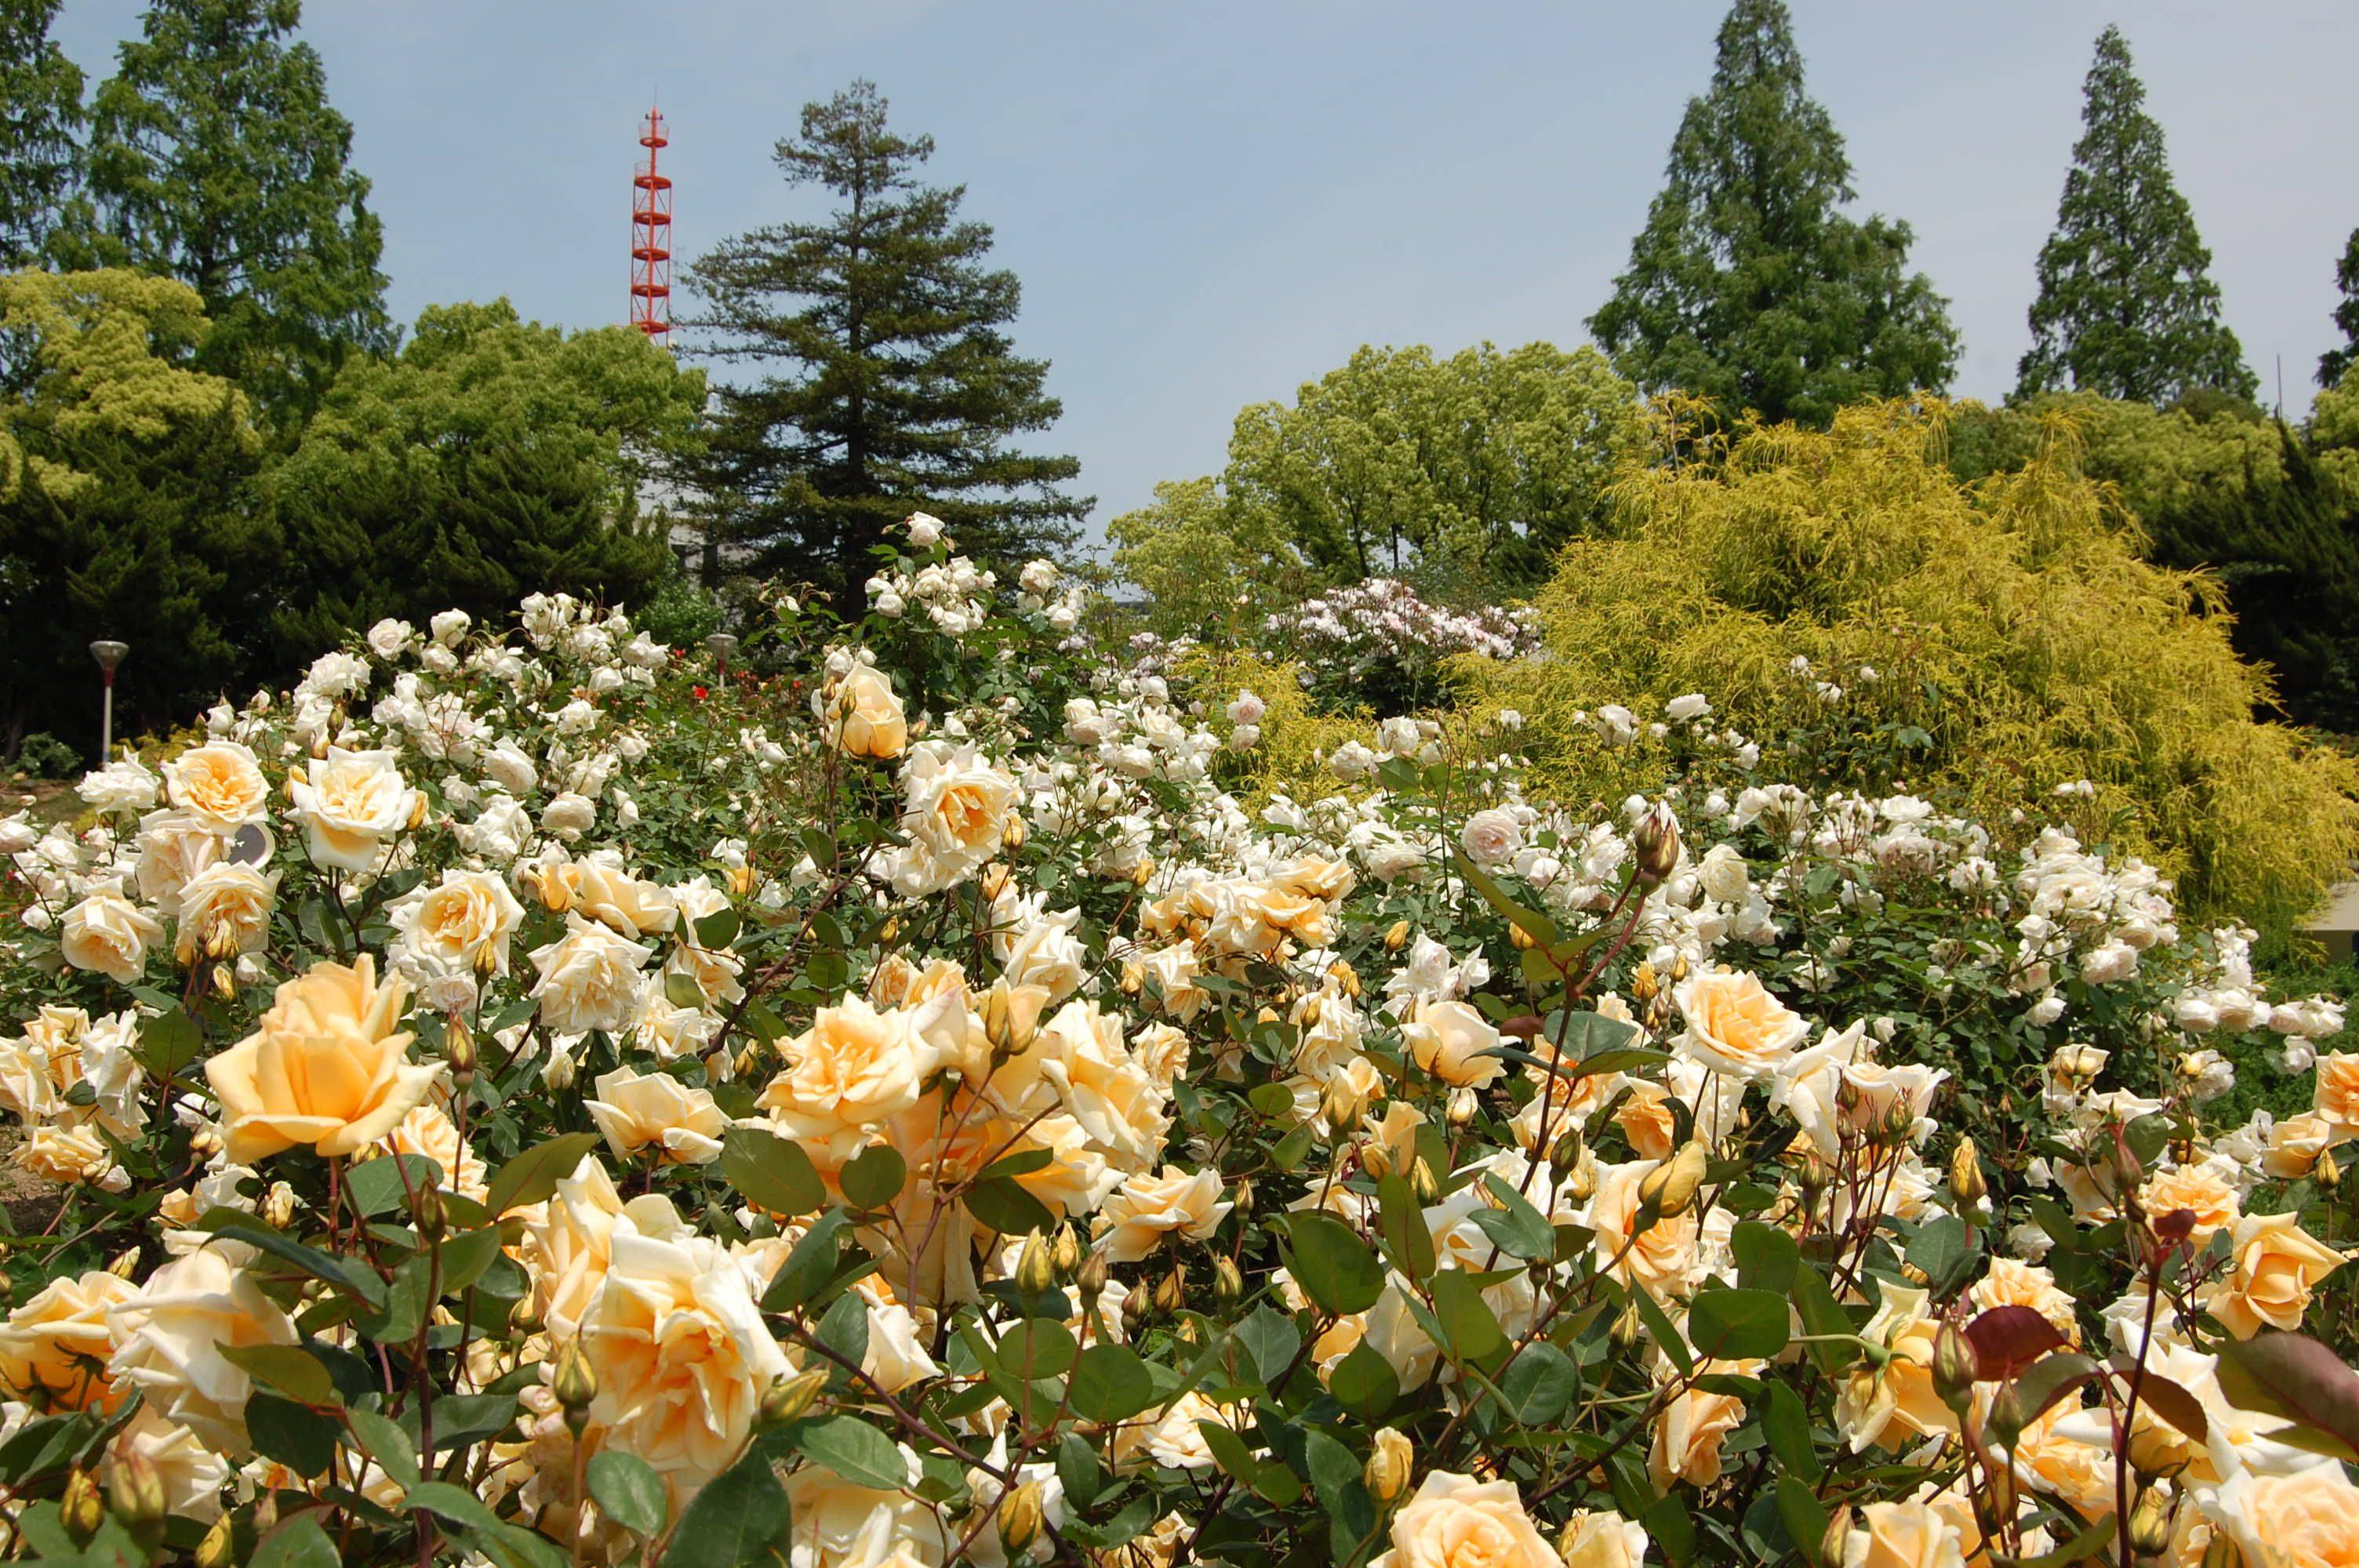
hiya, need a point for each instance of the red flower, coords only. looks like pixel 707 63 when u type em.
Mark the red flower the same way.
pixel 702 694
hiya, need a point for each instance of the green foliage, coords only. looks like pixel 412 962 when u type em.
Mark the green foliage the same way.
pixel 892 386
pixel 2018 643
pixel 40 120
pixel 2334 362
pixel 129 521
pixel 1747 284
pixel 2126 304
pixel 215 158
pixel 492 458
pixel 44 756
pixel 1465 474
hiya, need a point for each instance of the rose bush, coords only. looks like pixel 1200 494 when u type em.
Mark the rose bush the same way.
pixel 519 1099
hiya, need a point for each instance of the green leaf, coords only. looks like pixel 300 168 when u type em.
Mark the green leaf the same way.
pixel 1737 1324
pixel 465 1256
pixel 1330 1263
pixel 854 1450
pixel 1823 1316
pixel 1269 1337
pixel 681 990
pixel 1038 1347
pixel 1587 1037
pixel 773 1172
pixel 1470 1329
pixel 2295 1375
pixel 2050 1379
pixel 1110 1383
pixel 1945 1249
pixel 739 1521
pixel 1003 1204
pixel 375 1186
pixel 289 1368
pixel 844 1330
pixel 1516 1227
pixel 1364 1383
pixel 1273 1100
pixel 1787 1427
pixel 1530 922
pixel 297 1543
pixel 873 1178
pixel 1539 1384
pixel 629 1491
pixel 1333 1472
pixel 465 1418
pixel 170 1042
pixel 717 929
pixel 1765 1256
pixel 2092 1539
pixel 353 1278
pixel 1408 1243
pixel 302 1440
pixel 533 1175
pixel 454 1503
pixel 381 1438
pixel 808 1266
pixel 1805 1515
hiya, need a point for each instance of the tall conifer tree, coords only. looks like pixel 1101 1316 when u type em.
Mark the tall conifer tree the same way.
pixel 1748 284
pixel 2126 304
pixel 40 123
pixel 887 381
pixel 216 158
pixel 2335 361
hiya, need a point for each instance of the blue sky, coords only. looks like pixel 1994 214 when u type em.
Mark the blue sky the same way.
pixel 1211 203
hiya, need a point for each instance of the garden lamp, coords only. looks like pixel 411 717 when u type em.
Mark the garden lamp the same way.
pixel 109 653
pixel 723 644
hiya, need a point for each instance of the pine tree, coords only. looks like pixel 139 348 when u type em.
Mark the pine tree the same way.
pixel 216 158
pixel 41 121
pixel 2334 362
pixel 890 383
pixel 1748 284
pixel 2126 304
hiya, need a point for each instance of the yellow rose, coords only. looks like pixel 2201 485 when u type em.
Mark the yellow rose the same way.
pixel 65 1155
pixel 428 1131
pixel 325 1066
pixel 2010 1283
pixel 224 910
pixel 1145 1209
pixel 57 1345
pixel 1454 1042
pixel 2309 1519
pixel 192 1475
pixel 219 782
pixel 1736 1026
pixel 1896 1404
pixel 2277 1265
pixel 1456 1521
pixel 1904 1535
pixel 833 1519
pixel 607 893
pixel 1689 1434
pixel 1600 1538
pixel 864 719
pixel 853 1069
pixel 1648 1120
pixel 2336 1096
pixel 2296 1143
pixel 461 923
pixel 350 802
pixel 110 935
pixel 956 809
pixel 170 1336
pixel 2199 1189
pixel 589 979
pixel 681 1352
pixel 654 1111
pixel 1662 1257
pixel 567 1242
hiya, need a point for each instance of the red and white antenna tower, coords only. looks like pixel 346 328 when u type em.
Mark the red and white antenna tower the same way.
pixel 651 237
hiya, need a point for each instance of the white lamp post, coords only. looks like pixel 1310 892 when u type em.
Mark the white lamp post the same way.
pixel 109 653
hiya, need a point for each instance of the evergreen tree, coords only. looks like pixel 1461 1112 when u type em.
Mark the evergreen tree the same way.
pixel 216 158
pixel 889 381
pixel 40 120
pixel 1747 284
pixel 2126 304
pixel 2334 362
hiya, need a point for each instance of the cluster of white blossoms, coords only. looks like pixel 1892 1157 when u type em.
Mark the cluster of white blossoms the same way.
pixel 907 1058
pixel 1385 616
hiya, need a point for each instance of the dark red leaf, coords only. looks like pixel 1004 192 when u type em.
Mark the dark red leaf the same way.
pixel 2009 1338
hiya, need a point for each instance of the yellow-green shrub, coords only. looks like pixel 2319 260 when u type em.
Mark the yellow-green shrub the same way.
pixel 2012 620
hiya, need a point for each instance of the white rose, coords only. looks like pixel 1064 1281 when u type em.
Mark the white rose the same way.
pixel 589 979
pixel 109 934
pixel 350 802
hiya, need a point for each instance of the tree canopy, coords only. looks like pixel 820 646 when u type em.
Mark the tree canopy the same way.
pixel 1466 473
pixel 2336 361
pixel 1748 284
pixel 884 380
pixel 215 158
pixel 2126 305
pixel 40 123
pixel 492 458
